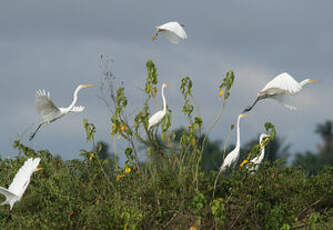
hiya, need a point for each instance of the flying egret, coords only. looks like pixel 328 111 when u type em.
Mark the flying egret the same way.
pixel 157 117
pixel 279 88
pixel 258 159
pixel 234 154
pixel 173 31
pixel 20 182
pixel 50 112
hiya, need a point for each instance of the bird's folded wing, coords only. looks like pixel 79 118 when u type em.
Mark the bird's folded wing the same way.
pixel 79 108
pixel 23 175
pixel 44 105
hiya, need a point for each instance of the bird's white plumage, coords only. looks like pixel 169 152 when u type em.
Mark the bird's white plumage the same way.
pixel 258 159
pixel 279 89
pixel 20 182
pixel 50 112
pixel 157 117
pixel 230 159
pixel 173 31
pixel 282 84
pixel 79 108
pixel 45 106
pixel 234 154
pixel 22 177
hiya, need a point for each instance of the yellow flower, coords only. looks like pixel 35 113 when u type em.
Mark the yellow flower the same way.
pixel 119 177
pixel 193 228
pixel 123 127
pixel 127 170
pixel 221 93
pixel 243 163
pixel 91 156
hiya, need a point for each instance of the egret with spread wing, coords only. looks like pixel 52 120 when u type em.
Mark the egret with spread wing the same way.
pixel 279 89
pixel 258 159
pixel 157 117
pixel 234 154
pixel 50 112
pixel 20 182
pixel 173 31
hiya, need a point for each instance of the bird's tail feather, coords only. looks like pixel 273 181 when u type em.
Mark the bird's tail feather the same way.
pixel 34 133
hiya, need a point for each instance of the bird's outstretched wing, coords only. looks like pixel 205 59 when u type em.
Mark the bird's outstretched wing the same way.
pixel 79 108
pixel 44 105
pixel 173 31
pixel 8 194
pixel 283 83
pixel 22 177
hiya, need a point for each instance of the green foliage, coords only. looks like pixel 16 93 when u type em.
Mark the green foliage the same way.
pixel 227 83
pixel 90 129
pixel 76 194
pixel 175 188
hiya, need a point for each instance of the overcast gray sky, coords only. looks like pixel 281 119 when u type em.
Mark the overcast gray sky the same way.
pixel 55 45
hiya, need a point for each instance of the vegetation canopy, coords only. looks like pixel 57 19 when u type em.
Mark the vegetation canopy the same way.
pixel 176 186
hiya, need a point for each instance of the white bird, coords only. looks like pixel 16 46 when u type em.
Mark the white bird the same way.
pixel 258 159
pixel 234 154
pixel 157 117
pixel 50 112
pixel 20 182
pixel 173 31
pixel 280 88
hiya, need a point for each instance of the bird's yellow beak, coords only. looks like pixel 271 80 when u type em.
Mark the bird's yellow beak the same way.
pixel 244 115
pixel 87 85
pixel 268 135
pixel 154 36
pixel 38 169
pixel 313 81
pixel 166 85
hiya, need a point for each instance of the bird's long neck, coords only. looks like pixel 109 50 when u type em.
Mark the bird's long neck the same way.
pixel 304 82
pixel 70 107
pixel 238 134
pixel 262 153
pixel 163 99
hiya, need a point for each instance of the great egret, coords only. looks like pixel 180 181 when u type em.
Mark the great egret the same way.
pixel 258 159
pixel 279 88
pixel 158 116
pixel 20 182
pixel 234 154
pixel 50 112
pixel 173 31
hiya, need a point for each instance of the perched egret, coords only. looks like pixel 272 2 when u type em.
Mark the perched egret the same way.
pixel 280 88
pixel 50 112
pixel 173 31
pixel 234 154
pixel 258 159
pixel 158 116
pixel 20 183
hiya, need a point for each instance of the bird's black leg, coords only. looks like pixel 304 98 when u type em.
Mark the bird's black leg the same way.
pixel 250 107
pixel 9 216
pixel 34 133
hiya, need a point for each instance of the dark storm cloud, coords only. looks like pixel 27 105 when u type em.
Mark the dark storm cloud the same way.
pixel 56 45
